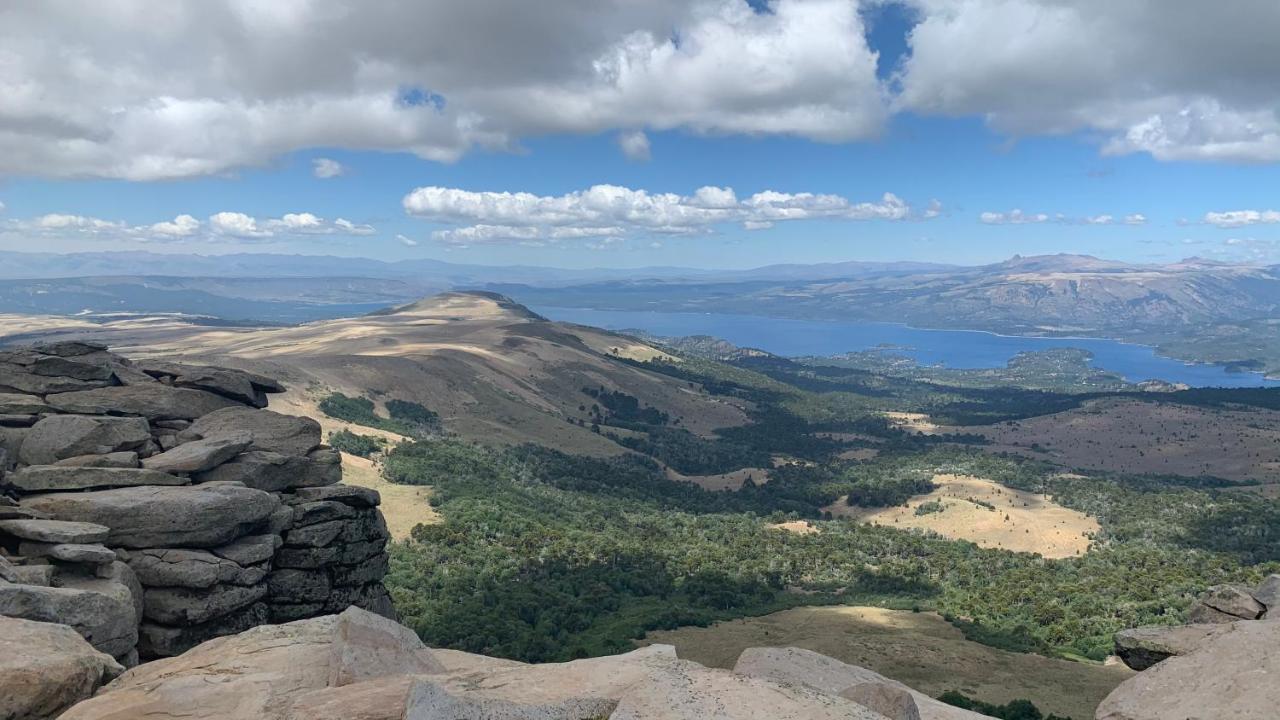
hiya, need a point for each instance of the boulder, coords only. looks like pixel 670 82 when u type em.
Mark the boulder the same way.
pixel 154 401
pixel 1225 603
pixel 7 570
pixel 272 432
pixel 1140 648
pixel 62 436
pixel 320 511
pixel 245 387
pixel 367 646
pixel 300 586
pixel 250 549
pixel 102 611
pixel 55 531
pixel 61 367
pixel 830 676
pixel 127 459
pixel 89 554
pixel 150 517
pixel 1268 594
pixel 71 348
pixel 42 575
pixel 55 478
pixel 382 698
pixel 16 379
pixel 275 472
pixel 190 568
pixel 887 699
pixel 348 494
pixel 46 668
pixel 186 606
pixel 1230 675
pixel 19 404
pixel 200 455
pixel 251 676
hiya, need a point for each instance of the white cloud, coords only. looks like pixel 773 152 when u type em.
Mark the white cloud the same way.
pixel 1018 217
pixel 151 89
pixel 407 241
pixel 635 145
pixel 2 207
pixel 324 168
pixel 179 227
pixel 1147 75
pixel 344 226
pixel 610 210
pixel 237 224
pixel 1241 218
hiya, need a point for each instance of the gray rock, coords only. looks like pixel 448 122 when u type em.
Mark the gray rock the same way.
pixel 320 511
pixel 232 384
pixel 250 549
pixel 15 379
pixel 347 494
pixel 46 668
pixel 149 517
pixel 188 606
pixel 299 586
pixel 69 552
pixel 55 478
pixel 1268 593
pixel 889 700
pixel 60 367
pixel 315 536
pixel 55 531
pixel 62 436
pixel 273 472
pixel 1225 603
pixel 125 459
pixel 289 612
pixel 72 348
pixel 6 570
pixel 101 611
pixel 174 425
pixel 42 575
pixel 272 432
pixel 188 568
pixel 200 455
pixel 155 640
pixel 367 646
pixel 1231 675
pixel 1140 648
pixel 369 571
pixel 156 401
pixel 18 421
pixel 20 404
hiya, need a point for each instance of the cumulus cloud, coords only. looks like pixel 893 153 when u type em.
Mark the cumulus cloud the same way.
pixel 406 241
pixel 635 145
pixel 1135 219
pixel 1241 218
pixel 152 89
pixel 1149 75
pixel 613 211
pixel 179 227
pixel 1013 217
pixel 324 168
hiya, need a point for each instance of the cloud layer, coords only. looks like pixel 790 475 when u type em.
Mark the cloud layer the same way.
pixel 610 211
pixel 1018 217
pixel 154 89
pixel 220 227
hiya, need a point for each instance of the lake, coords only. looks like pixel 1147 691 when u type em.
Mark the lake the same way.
pixel 952 348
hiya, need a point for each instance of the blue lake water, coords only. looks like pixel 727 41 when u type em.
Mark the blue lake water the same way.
pixel 951 348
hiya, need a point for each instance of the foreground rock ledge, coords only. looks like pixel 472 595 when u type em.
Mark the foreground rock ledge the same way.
pixel 360 666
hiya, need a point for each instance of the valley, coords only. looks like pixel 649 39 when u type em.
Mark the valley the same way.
pixel 559 491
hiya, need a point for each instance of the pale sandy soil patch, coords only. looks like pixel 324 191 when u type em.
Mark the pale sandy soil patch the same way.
pixel 306 403
pixel 724 481
pixel 1128 436
pixel 404 506
pixel 919 649
pixel 798 527
pixel 1021 521
pixel 920 423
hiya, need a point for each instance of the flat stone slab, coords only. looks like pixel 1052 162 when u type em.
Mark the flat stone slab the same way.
pixel 346 494
pixel 123 459
pixel 199 455
pixel 272 432
pixel 62 436
pixel 55 531
pixel 102 611
pixel 1143 647
pixel 154 400
pixel 18 404
pixel 54 478
pixel 91 554
pixel 155 516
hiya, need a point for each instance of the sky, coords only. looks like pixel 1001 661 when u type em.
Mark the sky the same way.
pixel 697 133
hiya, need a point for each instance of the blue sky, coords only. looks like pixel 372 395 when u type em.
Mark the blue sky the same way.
pixel 1147 204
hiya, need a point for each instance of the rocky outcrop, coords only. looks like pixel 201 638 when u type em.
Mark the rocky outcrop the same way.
pixel 359 666
pixel 1230 674
pixel 158 506
pixel 46 668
